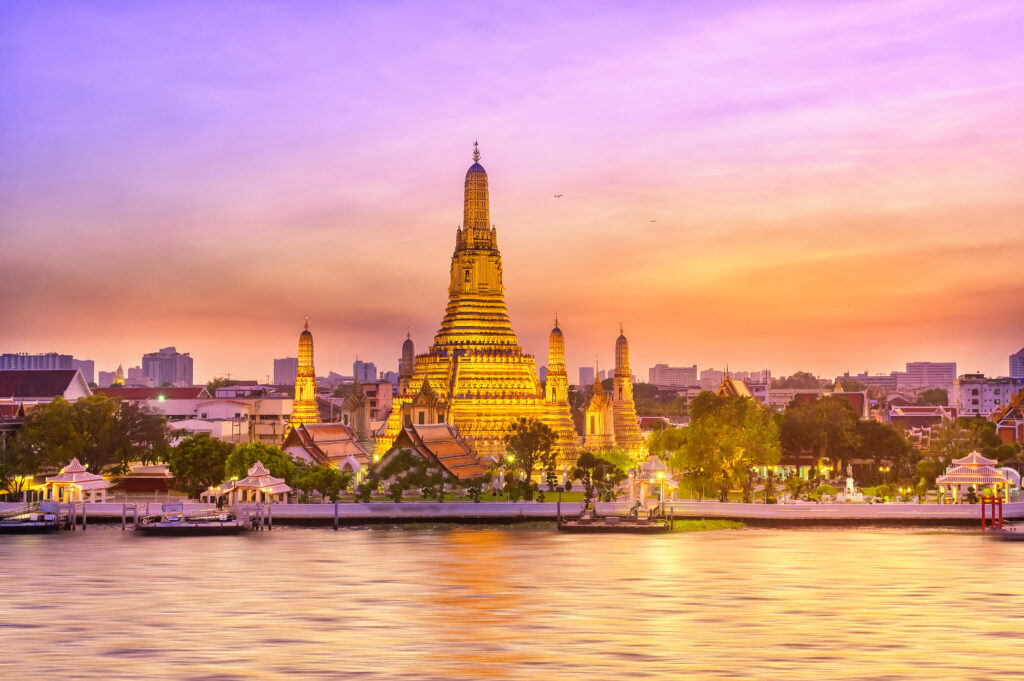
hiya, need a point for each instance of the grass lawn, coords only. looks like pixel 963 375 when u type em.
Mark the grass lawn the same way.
pixel 702 525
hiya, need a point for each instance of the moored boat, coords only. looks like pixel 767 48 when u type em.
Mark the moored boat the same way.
pixel 589 522
pixel 31 519
pixel 173 521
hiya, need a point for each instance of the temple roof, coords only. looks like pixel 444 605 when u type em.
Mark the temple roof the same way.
pixel 974 459
pixel 440 443
pixel 328 442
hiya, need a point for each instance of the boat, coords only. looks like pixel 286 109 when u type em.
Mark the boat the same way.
pixel 173 521
pixel 589 522
pixel 35 518
pixel 1009 533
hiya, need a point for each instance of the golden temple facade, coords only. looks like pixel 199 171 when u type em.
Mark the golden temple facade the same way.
pixel 475 375
pixel 304 409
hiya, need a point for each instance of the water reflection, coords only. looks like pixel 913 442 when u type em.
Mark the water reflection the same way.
pixel 526 604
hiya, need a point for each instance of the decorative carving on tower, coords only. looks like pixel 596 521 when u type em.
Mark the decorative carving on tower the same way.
pixel 304 409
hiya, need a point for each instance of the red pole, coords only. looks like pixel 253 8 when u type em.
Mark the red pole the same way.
pixel 984 502
pixel 1000 513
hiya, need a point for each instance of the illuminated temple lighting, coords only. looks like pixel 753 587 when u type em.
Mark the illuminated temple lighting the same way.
pixel 304 409
pixel 475 375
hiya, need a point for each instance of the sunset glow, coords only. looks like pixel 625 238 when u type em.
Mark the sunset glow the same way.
pixel 825 187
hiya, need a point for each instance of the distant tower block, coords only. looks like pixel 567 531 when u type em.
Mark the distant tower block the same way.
pixel 304 410
pixel 406 363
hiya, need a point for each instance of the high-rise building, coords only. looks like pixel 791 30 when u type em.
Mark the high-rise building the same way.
pixel 672 377
pixel 976 395
pixel 586 376
pixel 23 361
pixel 364 372
pixel 711 379
pixel 135 378
pixel 87 367
pixel 542 373
pixel 1017 364
pixel 475 375
pixel 927 375
pixel 304 408
pixel 285 370
pixel 105 379
pixel 168 367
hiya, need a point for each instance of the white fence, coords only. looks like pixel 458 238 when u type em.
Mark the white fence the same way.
pixel 384 511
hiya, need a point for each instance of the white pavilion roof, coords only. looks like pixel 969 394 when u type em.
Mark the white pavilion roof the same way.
pixel 76 474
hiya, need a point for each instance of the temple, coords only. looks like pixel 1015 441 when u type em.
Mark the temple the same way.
pixel 475 376
pixel 611 421
pixel 304 409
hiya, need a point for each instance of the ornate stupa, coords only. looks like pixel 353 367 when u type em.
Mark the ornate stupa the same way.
pixel 304 409
pixel 475 375
pixel 627 426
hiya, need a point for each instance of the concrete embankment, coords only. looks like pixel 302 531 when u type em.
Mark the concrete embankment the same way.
pixel 782 515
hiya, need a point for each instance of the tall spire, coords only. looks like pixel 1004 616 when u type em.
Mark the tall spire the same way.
pixel 307 322
pixel 556 320
pixel 476 208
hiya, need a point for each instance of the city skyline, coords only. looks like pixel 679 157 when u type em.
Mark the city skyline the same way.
pixel 792 208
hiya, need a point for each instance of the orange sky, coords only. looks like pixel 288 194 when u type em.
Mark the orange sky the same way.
pixel 829 190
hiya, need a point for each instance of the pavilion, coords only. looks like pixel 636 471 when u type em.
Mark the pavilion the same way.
pixel 258 486
pixel 73 482
pixel 652 475
pixel 974 470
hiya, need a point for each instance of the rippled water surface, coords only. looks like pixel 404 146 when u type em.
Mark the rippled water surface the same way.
pixel 463 603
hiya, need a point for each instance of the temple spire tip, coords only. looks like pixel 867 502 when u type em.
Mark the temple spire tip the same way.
pixel 476 152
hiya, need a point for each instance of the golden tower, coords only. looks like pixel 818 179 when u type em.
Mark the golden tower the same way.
pixel 304 409
pixel 475 375
pixel 627 426
pixel 556 393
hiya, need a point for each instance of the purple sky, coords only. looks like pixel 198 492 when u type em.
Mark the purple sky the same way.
pixel 835 185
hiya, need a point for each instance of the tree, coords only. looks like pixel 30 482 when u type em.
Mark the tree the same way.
pixel 851 385
pixel 530 443
pixel 218 382
pixel 328 480
pixel 953 440
pixel 880 442
pixel 827 427
pixel 198 462
pixel 800 379
pixel 406 470
pixel 99 431
pixel 242 458
pixel 933 397
pixel 598 476
pixel 727 437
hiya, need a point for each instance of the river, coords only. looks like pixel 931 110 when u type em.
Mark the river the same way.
pixel 466 603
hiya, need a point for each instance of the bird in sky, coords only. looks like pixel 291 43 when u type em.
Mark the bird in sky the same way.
pixel 558 196
pixel 653 220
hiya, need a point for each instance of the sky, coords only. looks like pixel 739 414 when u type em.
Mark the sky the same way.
pixel 793 185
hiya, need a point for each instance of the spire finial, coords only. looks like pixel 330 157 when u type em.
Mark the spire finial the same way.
pixel 307 322
pixel 408 332
pixel 476 152
pixel 556 320
pixel 621 332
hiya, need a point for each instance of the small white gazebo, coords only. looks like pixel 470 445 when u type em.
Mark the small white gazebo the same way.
pixel 974 470
pixel 258 485
pixel 653 474
pixel 73 482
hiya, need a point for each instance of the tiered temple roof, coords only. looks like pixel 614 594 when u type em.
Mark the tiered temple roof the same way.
pixel 482 379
